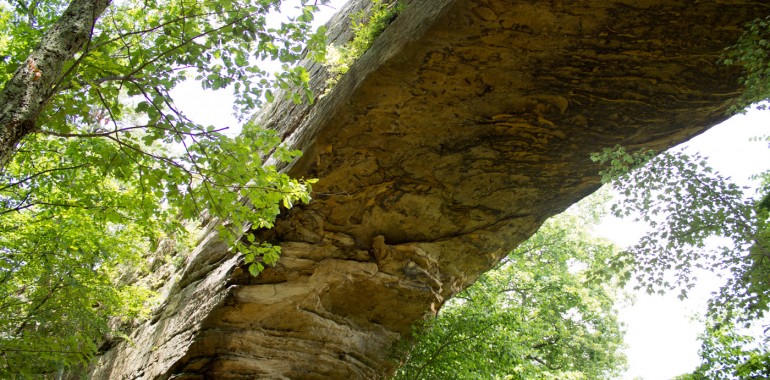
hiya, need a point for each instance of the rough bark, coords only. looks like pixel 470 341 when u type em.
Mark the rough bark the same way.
pixel 34 82
pixel 465 126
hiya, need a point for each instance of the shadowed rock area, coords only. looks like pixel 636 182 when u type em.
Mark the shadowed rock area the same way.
pixel 464 127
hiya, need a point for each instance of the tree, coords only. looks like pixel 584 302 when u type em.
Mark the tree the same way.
pixel 538 315
pixel 97 163
pixel 687 203
pixel 690 208
pixel 699 221
pixel 728 353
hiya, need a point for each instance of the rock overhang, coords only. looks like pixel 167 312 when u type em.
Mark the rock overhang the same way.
pixel 466 125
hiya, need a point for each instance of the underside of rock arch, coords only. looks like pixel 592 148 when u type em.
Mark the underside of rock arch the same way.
pixel 463 128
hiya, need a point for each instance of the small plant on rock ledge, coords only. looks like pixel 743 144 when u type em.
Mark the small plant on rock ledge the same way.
pixel 366 27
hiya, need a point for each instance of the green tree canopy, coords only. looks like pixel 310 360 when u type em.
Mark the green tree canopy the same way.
pixel 97 161
pixel 537 315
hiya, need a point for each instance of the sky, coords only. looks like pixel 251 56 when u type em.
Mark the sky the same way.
pixel 215 107
pixel 661 332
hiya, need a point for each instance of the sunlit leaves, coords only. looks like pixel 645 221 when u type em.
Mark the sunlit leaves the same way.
pixel 64 234
pixel 536 316
pixel 237 187
pixel 619 162
pixel 113 164
pixel 22 24
pixel 367 26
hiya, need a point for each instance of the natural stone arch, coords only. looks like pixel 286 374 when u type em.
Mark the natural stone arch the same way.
pixel 465 126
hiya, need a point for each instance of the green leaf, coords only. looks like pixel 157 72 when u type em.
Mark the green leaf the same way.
pixel 534 316
pixel 255 269
pixel 78 210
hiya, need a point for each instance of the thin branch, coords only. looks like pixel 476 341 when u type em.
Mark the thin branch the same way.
pixel 155 28
pixel 97 81
pixel 206 180
pixel 19 182
pixel 20 206
pixel 107 107
pixel 180 45
pixel 542 362
pixel 124 129
pixel 42 302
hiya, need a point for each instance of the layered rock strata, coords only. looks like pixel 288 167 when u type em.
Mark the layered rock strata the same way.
pixel 465 126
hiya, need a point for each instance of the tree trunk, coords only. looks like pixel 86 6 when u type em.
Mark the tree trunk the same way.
pixel 36 80
pixel 463 128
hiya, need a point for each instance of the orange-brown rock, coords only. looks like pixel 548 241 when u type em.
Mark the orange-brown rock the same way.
pixel 466 125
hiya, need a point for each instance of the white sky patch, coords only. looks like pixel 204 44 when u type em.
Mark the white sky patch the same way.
pixel 662 332
pixel 209 107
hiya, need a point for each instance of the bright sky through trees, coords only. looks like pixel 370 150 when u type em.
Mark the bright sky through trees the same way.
pixel 661 332
pixel 215 107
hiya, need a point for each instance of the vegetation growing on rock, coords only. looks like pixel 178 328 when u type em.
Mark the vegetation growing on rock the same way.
pixel 367 26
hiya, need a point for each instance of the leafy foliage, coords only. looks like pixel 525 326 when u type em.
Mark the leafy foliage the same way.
pixel 685 203
pixel 729 354
pixel 700 221
pixel 57 266
pixel 367 26
pixel 536 316
pixel 752 52
pixel 114 165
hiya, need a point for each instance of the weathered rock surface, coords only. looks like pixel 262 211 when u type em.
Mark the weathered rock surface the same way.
pixel 467 124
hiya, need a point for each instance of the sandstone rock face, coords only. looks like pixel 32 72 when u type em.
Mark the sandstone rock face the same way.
pixel 467 124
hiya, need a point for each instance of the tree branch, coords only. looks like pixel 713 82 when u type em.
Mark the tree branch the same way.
pixel 37 174
pixel 33 84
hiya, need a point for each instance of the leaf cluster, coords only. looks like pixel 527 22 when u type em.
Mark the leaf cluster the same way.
pixel 536 316
pixel 728 353
pixel 752 53
pixel 688 205
pixel 367 26
pixel 113 165
pixel 700 220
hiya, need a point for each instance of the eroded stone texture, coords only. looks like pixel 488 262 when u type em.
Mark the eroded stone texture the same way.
pixel 467 124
